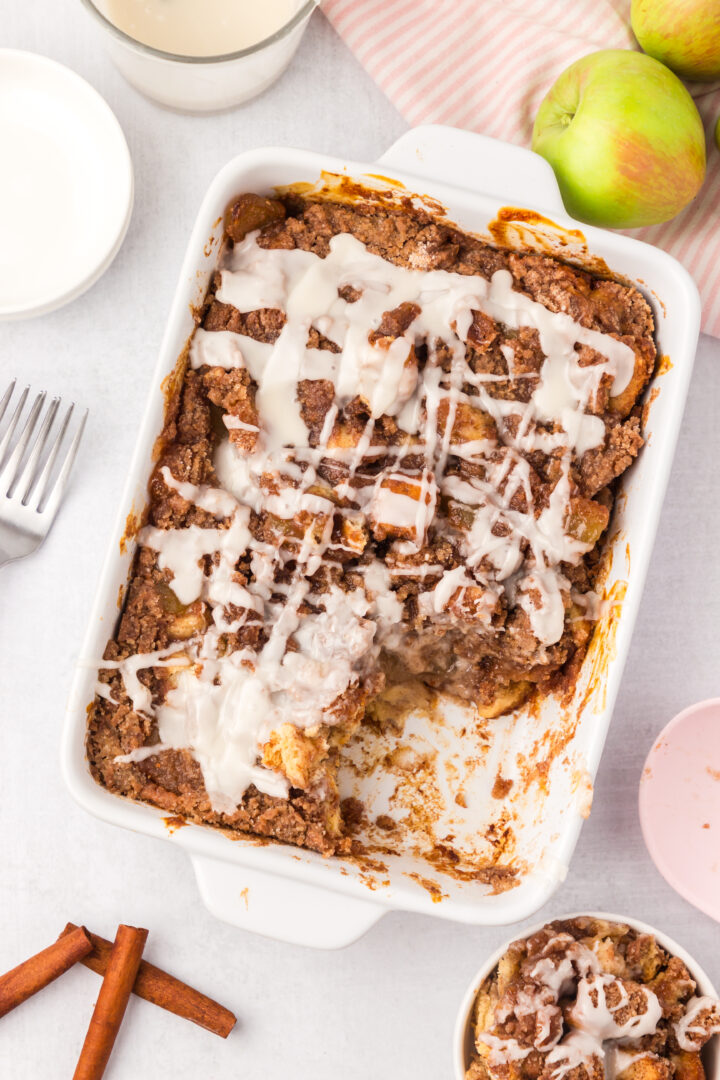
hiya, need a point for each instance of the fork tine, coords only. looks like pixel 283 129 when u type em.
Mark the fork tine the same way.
pixel 42 480
pixel 56 494
pixel 26 481
pixel 6 398
pixel 9 473
pixel 5 441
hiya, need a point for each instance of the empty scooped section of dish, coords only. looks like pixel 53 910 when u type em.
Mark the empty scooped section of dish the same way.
pixel 465 806
pixel 425 789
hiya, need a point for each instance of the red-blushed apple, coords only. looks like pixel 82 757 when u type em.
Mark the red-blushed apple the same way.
pixel 684 34
pixel 624 139
pixel 717 133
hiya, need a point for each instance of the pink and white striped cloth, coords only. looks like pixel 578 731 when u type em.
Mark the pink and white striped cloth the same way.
pixel 485 65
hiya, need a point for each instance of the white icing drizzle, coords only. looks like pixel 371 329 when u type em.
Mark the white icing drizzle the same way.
pixel 541 1005
pixel 385 607
pixel 140 696
pixel 225 706
pixel 592 1014
pixel 180 551
pixel 453 583
pixel 689 1034
pixel 577 1048
pixel 560 971
pixel 212 500
pixel 410 511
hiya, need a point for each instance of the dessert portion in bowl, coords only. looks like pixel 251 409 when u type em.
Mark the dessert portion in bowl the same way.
pixel 585 998
pixel 389 454
pixel 201 57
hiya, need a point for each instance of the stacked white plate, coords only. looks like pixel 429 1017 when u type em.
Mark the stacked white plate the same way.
pixel 66 185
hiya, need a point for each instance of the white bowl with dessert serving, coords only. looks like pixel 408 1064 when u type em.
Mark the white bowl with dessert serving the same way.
pixel 589 996
pixel 201 57
pixel 466 816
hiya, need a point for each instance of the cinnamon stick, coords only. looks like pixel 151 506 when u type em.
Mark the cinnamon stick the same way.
pixel 156 986
pixel 27 978
pixel 110 1006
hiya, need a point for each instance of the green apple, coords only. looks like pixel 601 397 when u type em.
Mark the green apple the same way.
pixel 684 34
pixel 624 139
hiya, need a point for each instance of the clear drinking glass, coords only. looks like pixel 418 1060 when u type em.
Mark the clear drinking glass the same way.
pixel 203 83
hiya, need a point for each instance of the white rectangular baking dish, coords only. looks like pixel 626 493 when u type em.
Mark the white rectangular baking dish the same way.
pixel 297 895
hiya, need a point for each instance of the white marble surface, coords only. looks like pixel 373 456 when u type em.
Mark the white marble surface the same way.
pixel 385 1006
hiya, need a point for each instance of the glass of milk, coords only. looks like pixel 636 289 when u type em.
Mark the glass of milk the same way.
pixel 201 55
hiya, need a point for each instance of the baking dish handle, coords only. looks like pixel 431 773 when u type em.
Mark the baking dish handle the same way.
pixel 280 908
pixel 476 162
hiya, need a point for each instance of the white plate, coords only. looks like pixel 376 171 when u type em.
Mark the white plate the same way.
pixel 66 185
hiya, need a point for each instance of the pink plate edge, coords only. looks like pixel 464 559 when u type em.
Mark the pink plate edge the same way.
pixel 654 852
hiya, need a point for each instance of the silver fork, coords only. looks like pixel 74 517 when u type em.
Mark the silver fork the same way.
pixel 29 497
